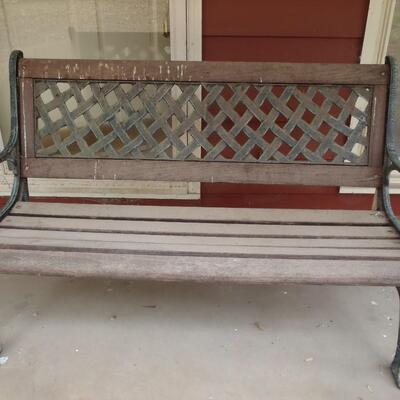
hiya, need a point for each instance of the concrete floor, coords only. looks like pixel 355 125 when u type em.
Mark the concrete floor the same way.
pixel 96 339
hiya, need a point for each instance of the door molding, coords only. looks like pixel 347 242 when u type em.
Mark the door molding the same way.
pixel 377 31
pixel 374 49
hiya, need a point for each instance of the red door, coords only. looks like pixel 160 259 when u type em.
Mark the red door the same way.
pixel 285 31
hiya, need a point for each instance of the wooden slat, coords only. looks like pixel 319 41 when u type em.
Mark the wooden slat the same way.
pixel 205 71
pixel 200 229
pixel 196 171
pixel 78 241
pixel 27 117
pixel 189 241
pixel 378 126
pixel 279 216
pixel 200 269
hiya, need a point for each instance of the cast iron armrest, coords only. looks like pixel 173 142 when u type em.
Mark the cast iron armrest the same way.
pixel 10 153
pixel 392 148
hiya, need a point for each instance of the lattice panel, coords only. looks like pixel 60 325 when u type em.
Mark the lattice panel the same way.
pixel 207 122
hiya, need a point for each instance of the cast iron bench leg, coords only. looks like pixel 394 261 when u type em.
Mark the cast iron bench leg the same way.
pixel 396 362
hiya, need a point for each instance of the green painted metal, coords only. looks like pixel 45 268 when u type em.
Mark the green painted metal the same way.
pixel 10 153
pixel 167 121
pixel 392 163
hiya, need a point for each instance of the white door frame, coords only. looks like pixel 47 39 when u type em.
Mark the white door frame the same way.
pixel 377 31
pixel 185 30
pixel 375 44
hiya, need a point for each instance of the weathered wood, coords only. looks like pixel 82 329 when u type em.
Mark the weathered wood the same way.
pixel 191 228
pixel 378 126
pixel 191 171
pixel 315 119
pixel 200 269
pixel 205 71
pixel 191 242
pixel 242 154
pixel 204 214
pixel 225 240
pixel 79 244
pixel 27 117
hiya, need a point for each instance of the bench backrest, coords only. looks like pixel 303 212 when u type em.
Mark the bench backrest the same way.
pixel 308 124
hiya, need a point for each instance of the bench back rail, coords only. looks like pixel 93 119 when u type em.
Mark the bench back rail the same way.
pixel 307 124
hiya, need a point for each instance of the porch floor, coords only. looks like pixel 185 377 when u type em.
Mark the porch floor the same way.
pixel 96 339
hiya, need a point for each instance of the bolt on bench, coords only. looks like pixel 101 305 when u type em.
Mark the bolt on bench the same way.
pixel 302 124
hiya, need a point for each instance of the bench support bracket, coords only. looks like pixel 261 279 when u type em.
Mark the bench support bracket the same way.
pixel 11 153
pixel 392 163
pixel 395 367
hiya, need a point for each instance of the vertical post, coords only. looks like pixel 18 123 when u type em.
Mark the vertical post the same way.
pixel 395 367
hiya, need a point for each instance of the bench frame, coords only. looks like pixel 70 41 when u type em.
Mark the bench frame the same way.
pixel 12 154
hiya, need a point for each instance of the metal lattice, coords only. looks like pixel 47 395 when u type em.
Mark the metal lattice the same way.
pixel 208 121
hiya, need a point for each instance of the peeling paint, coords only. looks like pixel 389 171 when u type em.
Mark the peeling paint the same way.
pixel 95 169
pixel 24 117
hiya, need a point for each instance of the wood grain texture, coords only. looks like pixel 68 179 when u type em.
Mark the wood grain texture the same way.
pixel 378 126
pixel 192 171
pixel 200 269
pixel 203 214
pixel 27 117
pixel 204 71
pixel 78 242
pixel 221 238
pixel 204 229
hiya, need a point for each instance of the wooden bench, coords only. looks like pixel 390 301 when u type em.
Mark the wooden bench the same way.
pixel 288 124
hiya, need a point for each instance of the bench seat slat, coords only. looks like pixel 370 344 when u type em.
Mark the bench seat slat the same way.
pixel 214 244
pixel 197 229
pixel 316 242
pixel 259 216
pixel 114 243
pixel 190 268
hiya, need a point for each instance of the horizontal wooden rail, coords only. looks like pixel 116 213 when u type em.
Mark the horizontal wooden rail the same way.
pixel 197 171
pixel 205 71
